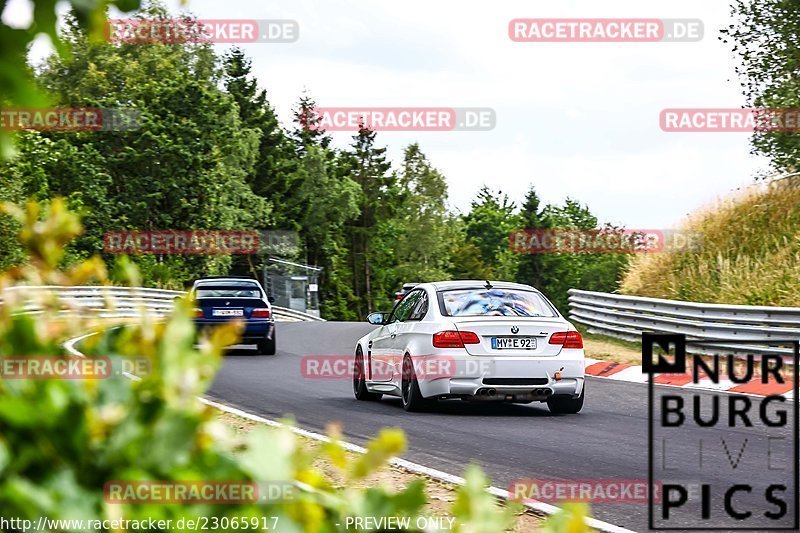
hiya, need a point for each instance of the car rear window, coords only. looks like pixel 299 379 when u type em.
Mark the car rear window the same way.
pixel 228 291
pixel 495 302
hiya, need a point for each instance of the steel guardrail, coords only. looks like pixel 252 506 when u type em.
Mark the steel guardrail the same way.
pixel 627 317
pixel 112 302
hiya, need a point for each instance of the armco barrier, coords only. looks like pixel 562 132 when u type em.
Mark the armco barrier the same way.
pixel 626 317
pixel 113 302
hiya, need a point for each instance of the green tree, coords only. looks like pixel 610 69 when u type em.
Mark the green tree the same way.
pixel 422 246
pixel 532 267
pixel 369 168
pixel 466 261
pixel 491 219
pixel 589 271
pixel 273 173
pixel 307 130
pixel 572 215
pixel 764 39
pixel 413 241
pixel 186 167
pixel 328 203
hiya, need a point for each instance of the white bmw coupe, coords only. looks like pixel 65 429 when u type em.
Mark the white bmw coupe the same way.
pixel 475 341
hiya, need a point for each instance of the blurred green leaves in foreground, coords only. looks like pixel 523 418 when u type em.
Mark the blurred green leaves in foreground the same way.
pixel 62 440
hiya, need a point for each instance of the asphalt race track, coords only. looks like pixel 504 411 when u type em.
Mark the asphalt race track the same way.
pixel 608 439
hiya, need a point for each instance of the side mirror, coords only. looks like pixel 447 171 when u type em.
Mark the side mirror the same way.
pixel 271 299
pixel 377 319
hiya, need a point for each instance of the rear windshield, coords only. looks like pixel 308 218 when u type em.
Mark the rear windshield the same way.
pixel 228 291
pixel 495 302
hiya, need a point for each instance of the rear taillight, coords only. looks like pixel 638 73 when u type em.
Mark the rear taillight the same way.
pixel 454 339
pixel 447 339
pixel 568 339
pixel 198 313
pixel 468 337
pixel 261 312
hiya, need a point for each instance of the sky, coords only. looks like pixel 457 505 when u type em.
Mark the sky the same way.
pixel 576 120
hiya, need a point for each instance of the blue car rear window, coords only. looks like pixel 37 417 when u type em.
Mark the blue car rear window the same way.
pixel 247 291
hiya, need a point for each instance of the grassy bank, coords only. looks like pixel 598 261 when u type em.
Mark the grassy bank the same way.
pixel 750 253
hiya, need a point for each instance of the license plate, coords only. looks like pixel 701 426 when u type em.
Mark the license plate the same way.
pixel 227 312
pixel 513 343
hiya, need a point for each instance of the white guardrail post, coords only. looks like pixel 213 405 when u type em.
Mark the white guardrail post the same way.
pixel 626 317
pixel 114 302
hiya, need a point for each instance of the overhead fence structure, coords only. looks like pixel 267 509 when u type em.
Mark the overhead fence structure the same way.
pixel 627 317
pixel 111 302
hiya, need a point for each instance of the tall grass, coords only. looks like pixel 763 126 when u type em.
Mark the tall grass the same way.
pixel 750 253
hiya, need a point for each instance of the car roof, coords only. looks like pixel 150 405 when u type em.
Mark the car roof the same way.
pixel 220 281
pixel 478 284
pixel 226 277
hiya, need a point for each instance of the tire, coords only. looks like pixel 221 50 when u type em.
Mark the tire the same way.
pixel 360 390
pixel 565 405
pixel 267 347
pixel 409 389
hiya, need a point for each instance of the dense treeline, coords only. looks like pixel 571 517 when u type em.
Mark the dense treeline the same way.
pixel 211 154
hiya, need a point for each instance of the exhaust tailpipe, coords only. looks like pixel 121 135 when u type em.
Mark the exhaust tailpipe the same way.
pixel 492 392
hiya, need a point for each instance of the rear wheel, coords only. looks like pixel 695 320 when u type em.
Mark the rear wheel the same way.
pixel 412 396
pixel 565 405
pixel 267 347
pixel 360 380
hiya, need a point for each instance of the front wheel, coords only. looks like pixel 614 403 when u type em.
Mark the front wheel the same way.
pixel 360 380
pixel 566 406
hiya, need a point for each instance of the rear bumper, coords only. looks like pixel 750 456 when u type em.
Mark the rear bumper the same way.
pixel 571 387
pixel 254 330
pixel 522 378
